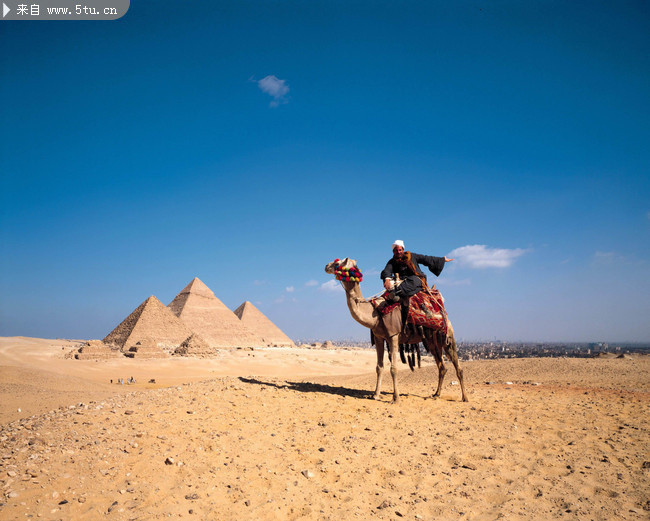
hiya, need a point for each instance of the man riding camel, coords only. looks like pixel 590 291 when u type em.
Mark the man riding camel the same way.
pixel 405 264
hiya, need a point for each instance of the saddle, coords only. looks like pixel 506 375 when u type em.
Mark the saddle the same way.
pixel 425 310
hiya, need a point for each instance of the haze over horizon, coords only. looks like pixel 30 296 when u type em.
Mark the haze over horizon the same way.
pixel 249 143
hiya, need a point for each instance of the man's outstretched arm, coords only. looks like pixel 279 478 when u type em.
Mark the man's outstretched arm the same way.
pixel 435 264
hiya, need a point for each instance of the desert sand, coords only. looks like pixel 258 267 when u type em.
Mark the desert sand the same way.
pixel 293 434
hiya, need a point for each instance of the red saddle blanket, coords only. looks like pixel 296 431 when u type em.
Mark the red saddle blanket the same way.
pixel 425 309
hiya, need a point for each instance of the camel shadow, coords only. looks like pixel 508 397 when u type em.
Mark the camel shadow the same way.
pixel 310 387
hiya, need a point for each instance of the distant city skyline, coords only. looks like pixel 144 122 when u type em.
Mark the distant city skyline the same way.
pixel 248 143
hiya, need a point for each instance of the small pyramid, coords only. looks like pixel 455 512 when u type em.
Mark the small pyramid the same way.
pixel 258 322
pixel 195 346
pixel 150 320
pixel 95 350
pixel 198 307
pixel 146 348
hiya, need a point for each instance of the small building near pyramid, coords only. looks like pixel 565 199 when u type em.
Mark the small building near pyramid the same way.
pixel 204 314
pixel 150 320
pixel 258 322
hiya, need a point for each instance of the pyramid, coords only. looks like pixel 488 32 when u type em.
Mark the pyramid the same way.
pixel 195 346
pixel 198 307
pixel 255 320
pixel 95 350
pixel 146 348
pixel 150 320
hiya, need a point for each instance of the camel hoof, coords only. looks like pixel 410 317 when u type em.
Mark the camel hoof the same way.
pixel 435 396
pixel 376 397
pixel 465 399
pixel 395 401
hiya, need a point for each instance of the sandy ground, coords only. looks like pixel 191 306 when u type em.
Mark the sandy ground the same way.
pixel 281 434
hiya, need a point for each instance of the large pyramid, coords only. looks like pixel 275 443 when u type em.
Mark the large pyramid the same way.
pixel 258 322
pixel 150 320
pixel 198 307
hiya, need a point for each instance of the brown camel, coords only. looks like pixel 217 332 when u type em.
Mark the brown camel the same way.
pixel 364 312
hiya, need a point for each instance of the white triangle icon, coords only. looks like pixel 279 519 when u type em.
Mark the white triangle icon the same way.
pixel 5 10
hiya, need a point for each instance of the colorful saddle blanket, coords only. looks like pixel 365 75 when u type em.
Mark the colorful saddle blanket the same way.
pixel 425 309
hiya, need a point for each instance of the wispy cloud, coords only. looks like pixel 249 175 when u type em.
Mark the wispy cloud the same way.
pixel 283 298
pixel 607 257
pixel 311 283
pixel 331 286
pixel 290 289
pixel 276 88
pixel 480 256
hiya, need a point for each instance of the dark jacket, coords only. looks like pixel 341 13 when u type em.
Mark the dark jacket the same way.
pixel 435 265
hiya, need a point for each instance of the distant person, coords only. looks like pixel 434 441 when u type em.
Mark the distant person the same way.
pixel 406 265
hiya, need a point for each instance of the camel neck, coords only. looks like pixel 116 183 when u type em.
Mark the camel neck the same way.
pixel 361 310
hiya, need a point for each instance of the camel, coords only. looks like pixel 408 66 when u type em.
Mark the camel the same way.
pixel 364 312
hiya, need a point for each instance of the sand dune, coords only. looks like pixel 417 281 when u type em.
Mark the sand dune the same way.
pixel 294 435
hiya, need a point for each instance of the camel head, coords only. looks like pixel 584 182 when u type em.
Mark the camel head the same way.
pixel 346 271
pixel 346 264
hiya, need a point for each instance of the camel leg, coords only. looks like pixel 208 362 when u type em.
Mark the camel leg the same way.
pixel 452 353
pixel 393 345
pixel 379 347
pixel 435 349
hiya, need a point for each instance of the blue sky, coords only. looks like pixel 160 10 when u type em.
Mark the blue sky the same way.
pixel 251 142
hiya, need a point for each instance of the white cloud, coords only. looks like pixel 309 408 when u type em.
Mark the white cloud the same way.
pixel 331 286
pixel 311 283
pixel 480 256
pixel 276 88
pixel 290 289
